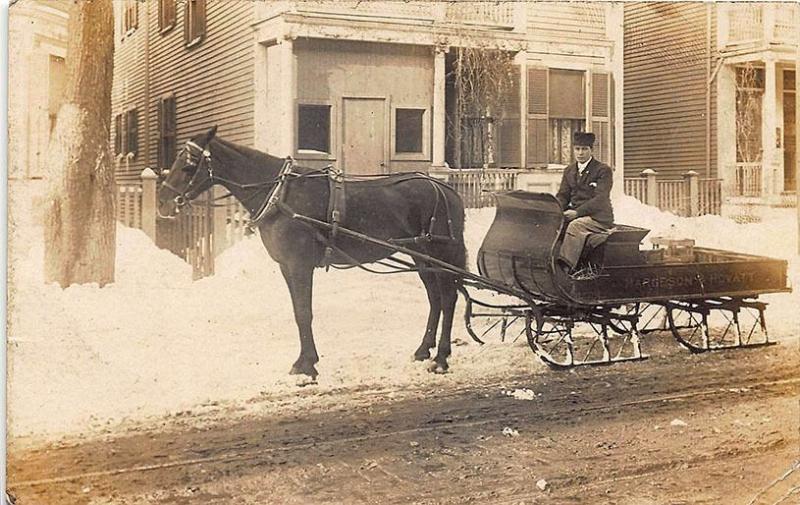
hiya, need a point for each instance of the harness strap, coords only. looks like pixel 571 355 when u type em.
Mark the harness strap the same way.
pixel 336 208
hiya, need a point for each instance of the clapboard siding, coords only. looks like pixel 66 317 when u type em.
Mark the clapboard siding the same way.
pixel 666 66
pixel 128 87
pixel 565 22
pixel 212 82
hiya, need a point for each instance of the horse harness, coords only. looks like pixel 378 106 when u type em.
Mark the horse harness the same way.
pixel 336 212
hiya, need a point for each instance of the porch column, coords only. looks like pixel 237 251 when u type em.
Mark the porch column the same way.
pixel 768 132
pixel 286 106
pixel 439 116
pixel 726 129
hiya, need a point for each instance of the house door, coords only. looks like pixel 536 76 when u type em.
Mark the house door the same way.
pixel 789 143
pixel 363 136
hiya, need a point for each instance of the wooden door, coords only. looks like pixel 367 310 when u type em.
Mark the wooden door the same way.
pixel 363 136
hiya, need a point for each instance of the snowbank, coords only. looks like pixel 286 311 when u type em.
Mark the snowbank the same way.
pixel 154 342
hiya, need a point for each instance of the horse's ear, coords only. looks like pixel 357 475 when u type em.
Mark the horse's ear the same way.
pixel 212 132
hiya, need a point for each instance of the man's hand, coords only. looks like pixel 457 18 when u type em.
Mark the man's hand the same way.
pixel 570 214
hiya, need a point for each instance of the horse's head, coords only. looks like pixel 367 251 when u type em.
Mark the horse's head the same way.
pixel 190 174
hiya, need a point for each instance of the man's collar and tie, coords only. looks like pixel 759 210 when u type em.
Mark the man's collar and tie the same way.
pixel 583 166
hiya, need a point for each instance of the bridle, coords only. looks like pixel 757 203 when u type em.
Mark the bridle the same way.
pixel 183 198
pixel 201 159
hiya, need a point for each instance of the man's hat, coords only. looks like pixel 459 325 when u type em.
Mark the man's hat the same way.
pixel 583 139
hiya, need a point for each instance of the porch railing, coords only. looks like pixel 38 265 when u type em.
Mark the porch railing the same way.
pixel 765 22
pixel 129 205
pixel 689 196
pixel 489 14
pixel 748 180
pixel 476 185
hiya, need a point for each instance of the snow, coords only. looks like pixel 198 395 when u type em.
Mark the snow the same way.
pixel 155 343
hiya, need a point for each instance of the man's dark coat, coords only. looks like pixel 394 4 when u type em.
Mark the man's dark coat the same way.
pixel 588 194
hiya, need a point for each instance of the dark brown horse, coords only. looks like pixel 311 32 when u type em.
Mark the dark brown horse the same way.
pixel 398 208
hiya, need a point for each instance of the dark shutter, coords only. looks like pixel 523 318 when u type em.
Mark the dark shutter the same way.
pixel 508 143
pixel 510 99
pixel 600 102
pixel 537 142
pixel 133 132
pixel 118 134
pixel 537 91
pixel 166 131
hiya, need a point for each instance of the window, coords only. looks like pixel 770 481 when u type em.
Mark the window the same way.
pixel 118 134
pixel 408 130
pixel 130 16
pixel 166 131
pixel 166 15
pixel 557 107
pixel 314 128
pixel 194 22
pixel 132 132
pixel 567 112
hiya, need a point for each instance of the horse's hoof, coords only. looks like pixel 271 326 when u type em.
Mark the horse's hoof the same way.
pixel 437 368
pixel 305 380
pixel 308 370
pixel 422 356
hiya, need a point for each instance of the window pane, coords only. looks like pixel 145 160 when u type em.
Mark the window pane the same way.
pixel 408 130
pixel 314 128
pixel 561 131
pixel 567 98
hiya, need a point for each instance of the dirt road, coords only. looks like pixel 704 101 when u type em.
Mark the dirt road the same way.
pixel 677 429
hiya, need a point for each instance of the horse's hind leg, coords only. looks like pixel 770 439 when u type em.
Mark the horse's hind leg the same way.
pixel 300 280
pixel 423 352
pixel 448 285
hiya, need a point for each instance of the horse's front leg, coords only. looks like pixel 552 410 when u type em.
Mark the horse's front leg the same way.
pixel 300 281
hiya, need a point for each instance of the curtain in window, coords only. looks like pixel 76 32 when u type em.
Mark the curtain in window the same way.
pixel 561 131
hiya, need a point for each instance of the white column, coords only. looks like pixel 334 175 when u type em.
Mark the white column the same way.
pixel 439 117
pixel 615 30
pixel 286 106
pixel 769 124
pixel 726 128
pixel 261 105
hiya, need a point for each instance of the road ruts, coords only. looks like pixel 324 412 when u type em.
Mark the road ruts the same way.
pixel 704 429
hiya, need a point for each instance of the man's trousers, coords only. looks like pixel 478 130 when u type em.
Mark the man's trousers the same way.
pixel 575 238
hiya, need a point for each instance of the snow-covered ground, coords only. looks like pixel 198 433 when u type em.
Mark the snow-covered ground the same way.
pixel 156 343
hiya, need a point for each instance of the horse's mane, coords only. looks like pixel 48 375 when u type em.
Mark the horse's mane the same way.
pixel 252 155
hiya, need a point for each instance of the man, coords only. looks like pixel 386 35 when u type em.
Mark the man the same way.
pixel 585 198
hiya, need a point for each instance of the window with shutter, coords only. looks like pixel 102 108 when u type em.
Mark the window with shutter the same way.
pixel 130 16
pixel 194 26
pixel 118 134
pixel 537 117
pixel 167 122
pixel 132 124
pixel 166 15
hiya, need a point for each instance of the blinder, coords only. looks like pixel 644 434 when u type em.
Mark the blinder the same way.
pixel 194 162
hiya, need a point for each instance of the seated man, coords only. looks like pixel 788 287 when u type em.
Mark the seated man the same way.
pixel 585 198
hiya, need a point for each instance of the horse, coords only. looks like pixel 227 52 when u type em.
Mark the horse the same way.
pixel 287 203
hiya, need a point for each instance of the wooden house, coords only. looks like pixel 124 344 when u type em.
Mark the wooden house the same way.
pixel 711 88
pixel 363 85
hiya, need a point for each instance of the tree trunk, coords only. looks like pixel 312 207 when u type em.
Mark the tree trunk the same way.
pixel 80 224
